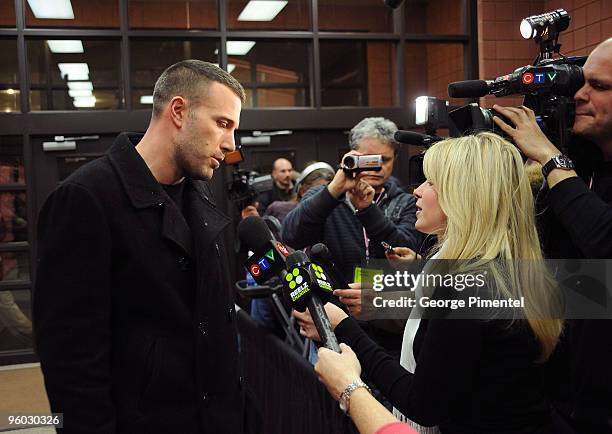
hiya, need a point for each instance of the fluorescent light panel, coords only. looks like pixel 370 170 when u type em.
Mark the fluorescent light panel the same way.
pixel 80 85
pixel 230 67
pixel 52 9
pixel 261 10
pixel 79 93
pixel 239 48
pixel 65 46
pixel 146 99
pixel 74 71
pixel 84 101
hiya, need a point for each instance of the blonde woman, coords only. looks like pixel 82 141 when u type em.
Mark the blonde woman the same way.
pixel 472 375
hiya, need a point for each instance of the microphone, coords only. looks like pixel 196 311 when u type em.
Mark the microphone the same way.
pixel 269 256
pixel 306 285
pixel 412 138
pixel 469 89
pixel 320 254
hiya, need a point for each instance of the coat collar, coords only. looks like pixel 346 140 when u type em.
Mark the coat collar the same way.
pixel 138 182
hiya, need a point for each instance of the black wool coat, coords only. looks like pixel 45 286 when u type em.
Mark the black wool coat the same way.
pixel 133 314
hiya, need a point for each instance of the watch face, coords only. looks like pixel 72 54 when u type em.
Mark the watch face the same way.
pixel 342 406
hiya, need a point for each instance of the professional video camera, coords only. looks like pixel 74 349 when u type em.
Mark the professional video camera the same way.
pixel 548 85
pixel 246 185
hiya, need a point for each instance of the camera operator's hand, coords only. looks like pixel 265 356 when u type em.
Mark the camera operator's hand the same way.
pixel 343 181
pixel 362 195
pixel 526 133
pixel 249 211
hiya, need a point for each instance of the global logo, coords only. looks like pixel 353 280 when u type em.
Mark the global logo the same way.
pixel 282 249
pixel 294 278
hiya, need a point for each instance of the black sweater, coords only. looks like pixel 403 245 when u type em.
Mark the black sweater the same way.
pixel 472 377
pixel 577 223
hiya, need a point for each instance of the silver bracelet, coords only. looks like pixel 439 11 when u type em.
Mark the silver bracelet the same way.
pixel 346 395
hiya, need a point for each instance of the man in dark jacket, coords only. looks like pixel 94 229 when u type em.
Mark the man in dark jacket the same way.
pixel 133 314
pixel 353 215
pixel 577 223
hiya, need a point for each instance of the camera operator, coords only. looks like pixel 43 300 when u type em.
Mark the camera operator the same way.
pixel 578 224
pixel 352 215
pixel 282 188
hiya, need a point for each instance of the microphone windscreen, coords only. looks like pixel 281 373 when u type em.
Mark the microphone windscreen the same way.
pixel 320 252
pixel 468 89
pixel 297 258
pixel 254 233
pixel 409 137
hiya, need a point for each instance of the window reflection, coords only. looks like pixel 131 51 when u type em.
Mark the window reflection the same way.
pixel 173 14
pixel 9 73
pixel 14 266
pixel 358 73
pixel 15 320
pixel 268 15
pixel 85 13
pixel 149 58
pixel 276 73
pixel 13 216
pixel 87 78
pixel 11 160
pixel 355 16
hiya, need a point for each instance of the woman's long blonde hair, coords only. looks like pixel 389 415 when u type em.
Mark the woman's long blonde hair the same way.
pixel 485 193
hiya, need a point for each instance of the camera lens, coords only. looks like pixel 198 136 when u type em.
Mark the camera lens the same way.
pixel 349 162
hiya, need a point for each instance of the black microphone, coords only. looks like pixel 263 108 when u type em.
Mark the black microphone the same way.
pixel 320 254
pixel 269 255
pixel 418 139
pixel 307 287
pixel 393 4
pixel 469 89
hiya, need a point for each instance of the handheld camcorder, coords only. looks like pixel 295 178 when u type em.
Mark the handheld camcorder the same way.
pixel 361 163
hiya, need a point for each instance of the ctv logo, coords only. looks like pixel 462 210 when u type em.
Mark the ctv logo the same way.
pixel 538 77
pixel 255 270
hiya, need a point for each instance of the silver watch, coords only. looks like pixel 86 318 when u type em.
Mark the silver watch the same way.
pixel 346 395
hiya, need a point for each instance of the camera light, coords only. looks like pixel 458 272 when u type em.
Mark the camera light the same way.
pixel 526 30
pixel 422 110
pixel 547 23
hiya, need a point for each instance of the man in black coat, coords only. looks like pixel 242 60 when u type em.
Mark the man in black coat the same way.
pixel 577 223
pixel 133 313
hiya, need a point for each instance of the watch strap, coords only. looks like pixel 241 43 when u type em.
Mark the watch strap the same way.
pixel 346 395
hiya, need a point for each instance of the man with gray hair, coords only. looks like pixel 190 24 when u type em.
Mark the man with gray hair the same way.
pixel 133 312
pixel 352 215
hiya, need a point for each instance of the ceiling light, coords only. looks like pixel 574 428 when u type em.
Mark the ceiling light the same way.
pixel 10 91
pixel 80 85
pixel 261 10
pixel 79 92
pixel 52 9
pixel 230 67
pixel 65 46
pixel 74 71
pixel 239 48
pixel 146 99
pixel 84 101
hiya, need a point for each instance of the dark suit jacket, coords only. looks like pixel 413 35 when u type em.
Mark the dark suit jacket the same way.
pixel 133 313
